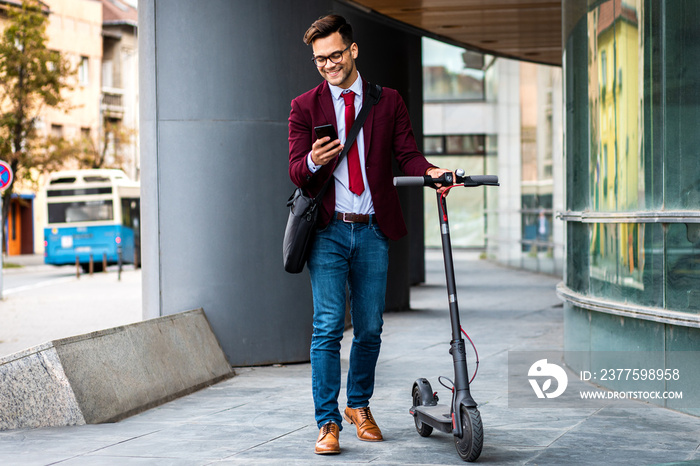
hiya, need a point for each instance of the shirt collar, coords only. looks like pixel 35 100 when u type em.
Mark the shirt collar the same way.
pixel 356 87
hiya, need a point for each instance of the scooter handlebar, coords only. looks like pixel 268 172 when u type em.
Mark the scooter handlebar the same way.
pixel 446 180
pixel 478 180
pixel 412 180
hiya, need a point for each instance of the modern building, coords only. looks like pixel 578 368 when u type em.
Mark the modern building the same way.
pixel 120 84
pixel 629 190
pixel 74 29
pixel 632 180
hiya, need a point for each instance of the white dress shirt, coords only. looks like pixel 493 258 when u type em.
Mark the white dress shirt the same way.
pixel 345 200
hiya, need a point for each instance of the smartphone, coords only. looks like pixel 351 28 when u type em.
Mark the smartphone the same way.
pixel 326 130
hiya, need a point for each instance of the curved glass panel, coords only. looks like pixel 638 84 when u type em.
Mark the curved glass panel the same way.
pixel 615 43
pixel 632 145
pixel 681 90
pixel 626 262
pixel 683 267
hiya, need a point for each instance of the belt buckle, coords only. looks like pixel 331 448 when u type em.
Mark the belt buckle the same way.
pixel 345 219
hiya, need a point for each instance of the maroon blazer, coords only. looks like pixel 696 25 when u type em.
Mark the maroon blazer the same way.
pixel 387 131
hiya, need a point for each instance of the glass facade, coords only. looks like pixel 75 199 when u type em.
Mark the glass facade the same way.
pixel 454 76
pixel 465 207
pixel 451 73
pixel 632 169
pixel 537 148
pixel 511 128
pixel 632 176
pixel 466 151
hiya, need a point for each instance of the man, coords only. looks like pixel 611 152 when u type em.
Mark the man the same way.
pixel 360 212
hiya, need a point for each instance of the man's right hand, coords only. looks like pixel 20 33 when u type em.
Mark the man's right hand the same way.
pixel 323 151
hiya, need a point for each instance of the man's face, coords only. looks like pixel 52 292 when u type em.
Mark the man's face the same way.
pixel 341 74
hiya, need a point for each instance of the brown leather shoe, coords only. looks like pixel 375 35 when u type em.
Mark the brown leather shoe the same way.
pixel 327 443
pixel 367 428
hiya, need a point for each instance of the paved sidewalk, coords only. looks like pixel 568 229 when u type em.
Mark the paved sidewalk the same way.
pixel 264 415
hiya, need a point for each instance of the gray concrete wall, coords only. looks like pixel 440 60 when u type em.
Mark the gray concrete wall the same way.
pixel 108 375
pixel 217 78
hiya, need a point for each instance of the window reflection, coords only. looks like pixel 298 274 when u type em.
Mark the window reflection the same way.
pixel 537 139
pixel 451 73
pixel 683 267
pixel 638 149
pixel 681 138
pixel 615 53
pixel 463 144
pixel 626 262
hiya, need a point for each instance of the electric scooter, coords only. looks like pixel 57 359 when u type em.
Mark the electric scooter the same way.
pixel 461 418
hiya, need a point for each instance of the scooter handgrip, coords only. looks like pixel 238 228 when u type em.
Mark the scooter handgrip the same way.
pixel 410 180
pixel 485 179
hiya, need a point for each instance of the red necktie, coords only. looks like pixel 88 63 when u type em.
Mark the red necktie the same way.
pixel 354 169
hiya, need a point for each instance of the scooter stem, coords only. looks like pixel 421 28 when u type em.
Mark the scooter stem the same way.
pixel 461 395
pixel 449 268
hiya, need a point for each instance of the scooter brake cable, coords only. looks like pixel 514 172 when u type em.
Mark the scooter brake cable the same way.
pixel 452 384
pixel 444 195
pixel 476 369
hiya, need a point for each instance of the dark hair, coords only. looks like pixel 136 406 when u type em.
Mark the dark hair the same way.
pixel 327 25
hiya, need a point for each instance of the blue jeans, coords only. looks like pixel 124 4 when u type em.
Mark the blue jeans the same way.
pixel 356 254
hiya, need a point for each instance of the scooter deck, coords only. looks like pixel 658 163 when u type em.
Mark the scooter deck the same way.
pixel 437 416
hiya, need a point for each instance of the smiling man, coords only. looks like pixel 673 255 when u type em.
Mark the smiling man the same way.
pixel 360 213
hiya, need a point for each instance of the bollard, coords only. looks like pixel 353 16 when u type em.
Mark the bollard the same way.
pixel 104 262
pixel 119 262
pixel 77 267
pixel 91 267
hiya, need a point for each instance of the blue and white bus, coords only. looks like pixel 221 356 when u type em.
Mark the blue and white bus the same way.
pixel 92 213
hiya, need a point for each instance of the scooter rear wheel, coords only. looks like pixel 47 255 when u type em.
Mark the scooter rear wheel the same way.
pixel 424 430
pixel 469 446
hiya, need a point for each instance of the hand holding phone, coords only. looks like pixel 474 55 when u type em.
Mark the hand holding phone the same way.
pixel 326 130
pixel 324 152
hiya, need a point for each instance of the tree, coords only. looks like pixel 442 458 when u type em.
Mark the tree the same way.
pixel 32 77
pixel 111 150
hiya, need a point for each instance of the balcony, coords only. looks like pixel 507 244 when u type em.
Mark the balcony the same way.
pixel 112 102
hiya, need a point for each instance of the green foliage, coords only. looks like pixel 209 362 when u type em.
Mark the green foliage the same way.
pixel 31 77
pixel 111 149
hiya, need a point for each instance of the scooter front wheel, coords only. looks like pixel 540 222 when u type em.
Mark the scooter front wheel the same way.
pixel 469 446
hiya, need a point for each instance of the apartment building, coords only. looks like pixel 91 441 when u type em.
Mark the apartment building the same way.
pixel 100 38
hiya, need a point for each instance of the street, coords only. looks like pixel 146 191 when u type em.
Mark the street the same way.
pixel 43 303
pixel 16 280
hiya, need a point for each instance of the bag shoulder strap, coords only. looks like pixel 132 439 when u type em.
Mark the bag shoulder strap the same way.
pixel 370 99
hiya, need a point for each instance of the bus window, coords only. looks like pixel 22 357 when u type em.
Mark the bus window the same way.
pixel 84 211
pixel 78 192
pixel 63 180
pixel 96 179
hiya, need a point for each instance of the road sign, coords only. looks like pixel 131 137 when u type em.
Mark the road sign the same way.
pixel 5 176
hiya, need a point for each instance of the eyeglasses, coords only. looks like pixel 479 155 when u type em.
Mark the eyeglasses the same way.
pixel 335 58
